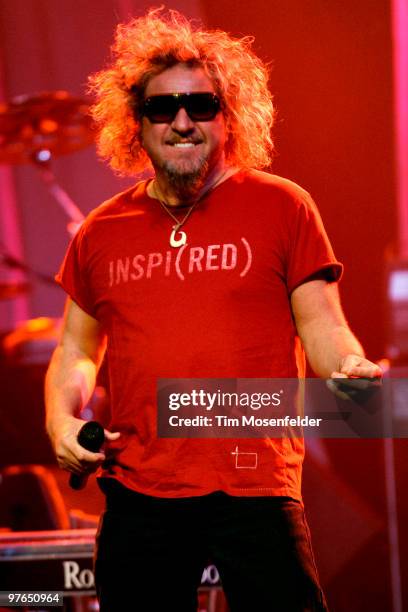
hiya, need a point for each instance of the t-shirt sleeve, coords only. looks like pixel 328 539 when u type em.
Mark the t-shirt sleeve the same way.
pixel 310 252
pixel 73 276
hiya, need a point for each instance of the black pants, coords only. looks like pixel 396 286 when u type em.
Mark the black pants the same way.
pixel 151 553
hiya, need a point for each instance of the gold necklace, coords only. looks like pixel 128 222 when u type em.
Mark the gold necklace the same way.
pixel 182 240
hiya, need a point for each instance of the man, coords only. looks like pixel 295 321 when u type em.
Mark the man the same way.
pixel 209 270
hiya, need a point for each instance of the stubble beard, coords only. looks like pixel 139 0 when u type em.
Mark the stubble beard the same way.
pixel 186 183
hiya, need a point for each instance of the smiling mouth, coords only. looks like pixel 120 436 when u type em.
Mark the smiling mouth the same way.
pixel 184 145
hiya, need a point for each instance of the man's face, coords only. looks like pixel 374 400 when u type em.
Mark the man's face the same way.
pixel 184 150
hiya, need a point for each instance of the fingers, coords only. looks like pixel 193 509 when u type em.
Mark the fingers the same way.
pixel 354 388
pixel 369 370
pixel 78 468
pixel 111 435
pixel 74 458
pixel 356 383
pixel 70 454
pixel 333 385
pixel 357 366
pixel 355 376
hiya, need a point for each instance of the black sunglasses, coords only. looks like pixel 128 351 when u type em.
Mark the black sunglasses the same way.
pixel 198 106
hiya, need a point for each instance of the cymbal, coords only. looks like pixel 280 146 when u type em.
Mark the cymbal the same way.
pixel 12 290
pixel 34 128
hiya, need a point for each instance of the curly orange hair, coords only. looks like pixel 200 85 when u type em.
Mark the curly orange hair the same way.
pixel 148 45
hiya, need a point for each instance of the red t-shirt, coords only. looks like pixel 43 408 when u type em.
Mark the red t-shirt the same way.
pixel 219 307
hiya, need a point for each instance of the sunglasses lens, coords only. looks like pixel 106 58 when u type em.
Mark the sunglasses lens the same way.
pixel 199 107
pixel 202 106
pixel 160 109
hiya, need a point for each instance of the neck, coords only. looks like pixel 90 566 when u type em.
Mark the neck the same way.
pixel 160 188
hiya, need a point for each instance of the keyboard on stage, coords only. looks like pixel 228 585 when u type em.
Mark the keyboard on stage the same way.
pixel 57 561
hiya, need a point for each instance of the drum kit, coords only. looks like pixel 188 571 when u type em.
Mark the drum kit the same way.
pixel 35 129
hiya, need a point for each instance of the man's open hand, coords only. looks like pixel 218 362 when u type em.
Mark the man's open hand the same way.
pixel 356 374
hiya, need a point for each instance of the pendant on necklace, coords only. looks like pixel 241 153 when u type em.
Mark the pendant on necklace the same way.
pixel 177 242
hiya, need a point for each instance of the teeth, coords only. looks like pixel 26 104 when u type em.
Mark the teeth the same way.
pixel 183 144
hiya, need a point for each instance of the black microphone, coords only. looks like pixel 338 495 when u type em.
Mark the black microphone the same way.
pixel 91 436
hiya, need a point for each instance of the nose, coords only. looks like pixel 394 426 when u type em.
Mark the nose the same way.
pixel 182 122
